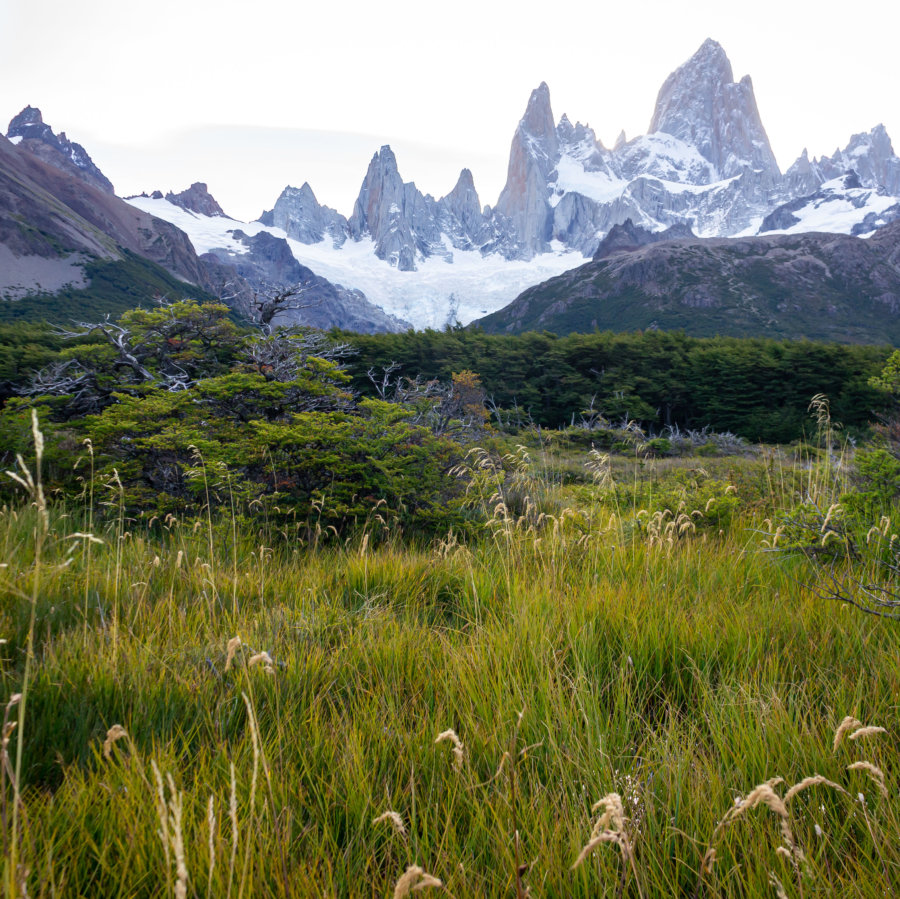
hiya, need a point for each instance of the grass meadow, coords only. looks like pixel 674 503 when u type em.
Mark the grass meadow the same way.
pixel 621 685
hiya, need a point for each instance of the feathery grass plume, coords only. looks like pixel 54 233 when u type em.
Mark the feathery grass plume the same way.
pixel 458 748
pixel 394 819
pixel 864 732
pixel 807 782
pixel 777 885
pixel 264 659
pixel 847 724
pixel 414 880
pixel 176 809
pixel 605 836
pixel 613 817
pixel 162 812
pixel 233 817
pixel 114 734
pixel 764 794
pixel 875 774
pixel 834 507
pixel 234 644
pixel 211 827
pixel 80 535
pixel 611 827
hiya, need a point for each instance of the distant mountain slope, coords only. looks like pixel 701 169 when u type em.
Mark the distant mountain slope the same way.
pixel 29 131
pixel 50 213
pixel 817 286
pixel 70 248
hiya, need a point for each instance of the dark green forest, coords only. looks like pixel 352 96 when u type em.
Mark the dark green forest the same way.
pixel 756 388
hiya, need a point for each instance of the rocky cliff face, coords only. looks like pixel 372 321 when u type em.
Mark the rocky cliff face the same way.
pixel 702 105
pixel 706 163
pixel 401 220
pixel 54 220
pixel 196 198
pixel 48 211
pixel 29 130
pixel 533 156
pixel 870 155
pixel 298 213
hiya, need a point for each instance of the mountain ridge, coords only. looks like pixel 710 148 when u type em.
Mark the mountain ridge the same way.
pixel 821 286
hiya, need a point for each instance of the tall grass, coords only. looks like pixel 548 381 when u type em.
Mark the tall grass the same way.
pixel 364 719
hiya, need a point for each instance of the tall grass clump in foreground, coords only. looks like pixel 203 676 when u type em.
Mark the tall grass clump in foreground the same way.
pixel 611 691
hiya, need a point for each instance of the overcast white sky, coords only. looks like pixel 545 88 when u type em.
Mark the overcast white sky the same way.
pixel 250 96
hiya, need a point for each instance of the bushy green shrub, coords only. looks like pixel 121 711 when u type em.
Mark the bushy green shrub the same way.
pixel 658 446
pixel 877 477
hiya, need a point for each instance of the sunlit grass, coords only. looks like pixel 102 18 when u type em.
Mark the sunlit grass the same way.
pixel 215 710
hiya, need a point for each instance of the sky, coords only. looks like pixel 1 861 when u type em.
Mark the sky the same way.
pixel 252 96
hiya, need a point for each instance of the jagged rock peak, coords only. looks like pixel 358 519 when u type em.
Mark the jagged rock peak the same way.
pixel 700 104
pixel 533 155
pixel 299 214
pixel 38 138
pixel 399 218
pixel 30 115
pixel 385 159
pixel 463 200
pixel 567 133
pixel 538 118
pixel 621 140
pixel 197 198
pixel 464 184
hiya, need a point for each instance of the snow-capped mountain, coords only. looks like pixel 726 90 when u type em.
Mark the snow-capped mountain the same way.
pixel 705 165
pixel 439 292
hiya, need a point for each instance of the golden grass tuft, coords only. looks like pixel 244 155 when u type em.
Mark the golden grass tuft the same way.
pixel 813 781
pixel 459 752
pixel 113 735
pixel 847 724
pixel 865 732
pixel 234 644
pixel 393 818
pixel 414 880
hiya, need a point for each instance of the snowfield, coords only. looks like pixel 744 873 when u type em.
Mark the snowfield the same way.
pixel 839 209
pixel 439 293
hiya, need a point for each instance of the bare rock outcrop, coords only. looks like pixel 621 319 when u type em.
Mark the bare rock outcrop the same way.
pixel 29 130
pixel 196 198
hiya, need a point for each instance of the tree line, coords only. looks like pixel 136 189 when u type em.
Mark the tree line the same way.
pixel 757 388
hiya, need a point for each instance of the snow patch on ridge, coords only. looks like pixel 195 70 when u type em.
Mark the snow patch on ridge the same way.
pixel 435 295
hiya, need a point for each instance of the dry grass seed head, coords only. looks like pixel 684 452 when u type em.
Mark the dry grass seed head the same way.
pixel 864 732
pixel 875 774
pixel 605 836
pixel 458 748
pixel 394 819
pixel 847 724
pixel 234 644
pixel 114 734
pixel 807 782
pixel 613 817
pixel 414 880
